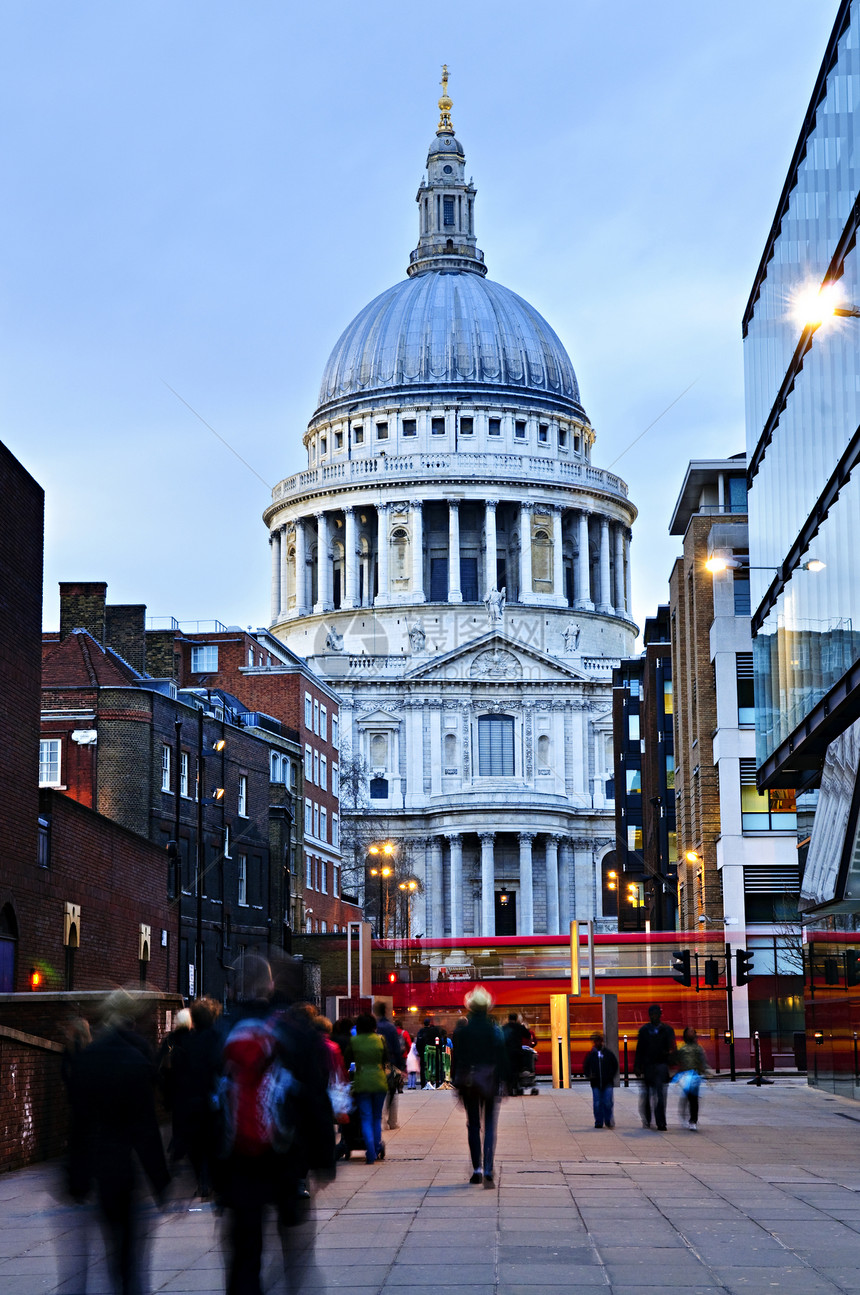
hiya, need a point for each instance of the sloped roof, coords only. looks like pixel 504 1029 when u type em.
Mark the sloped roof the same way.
pixel 78 661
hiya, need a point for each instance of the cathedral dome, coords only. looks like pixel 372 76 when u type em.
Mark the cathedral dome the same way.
pixel 449 328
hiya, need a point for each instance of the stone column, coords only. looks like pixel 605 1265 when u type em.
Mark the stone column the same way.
pixel 583 601
pixel 619 598
pixel 301 569
pixel 456 844
pixel 285 571
pixel 628 581
pixel 605 604
pixel 526 921
pixel 488 881
pixel 557 557
pixel 491 545
pixel 382 550
pixel 417 551
pixel 275 549
pixel 437 891
pixel 553 926
pixel 526 583
pixel 455 594
pixel 349 592
pixel 323 602
pixel 564 875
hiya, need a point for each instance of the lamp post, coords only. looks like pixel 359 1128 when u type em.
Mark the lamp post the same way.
pixel 383 851
pixel 408 888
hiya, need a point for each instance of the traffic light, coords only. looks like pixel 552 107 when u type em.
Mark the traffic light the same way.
pixel 852 967
pixel 831 971
pixel 35 978
pixel 712 973
pixel 681 966
pixel 744 964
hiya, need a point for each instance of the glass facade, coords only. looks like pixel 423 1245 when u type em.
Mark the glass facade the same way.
pixel 811 634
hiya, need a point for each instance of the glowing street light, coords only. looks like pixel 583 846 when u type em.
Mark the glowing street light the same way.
pixel 813 306
pixel 720 562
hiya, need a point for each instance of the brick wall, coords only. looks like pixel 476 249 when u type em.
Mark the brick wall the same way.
pixel 125 632
pixel 82 606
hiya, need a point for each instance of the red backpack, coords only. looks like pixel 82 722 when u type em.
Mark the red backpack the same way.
pixel 255 1092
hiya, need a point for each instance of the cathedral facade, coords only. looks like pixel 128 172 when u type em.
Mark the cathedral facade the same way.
pixel 456 566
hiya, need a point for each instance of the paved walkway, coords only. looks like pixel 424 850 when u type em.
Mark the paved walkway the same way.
pixel 764 1198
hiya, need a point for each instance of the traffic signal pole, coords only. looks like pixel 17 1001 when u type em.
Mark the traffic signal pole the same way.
pixel 731 1012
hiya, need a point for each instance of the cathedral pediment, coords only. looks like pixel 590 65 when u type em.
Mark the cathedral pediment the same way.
pixel 494 657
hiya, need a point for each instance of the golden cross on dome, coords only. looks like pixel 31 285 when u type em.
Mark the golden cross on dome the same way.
pixel 445 104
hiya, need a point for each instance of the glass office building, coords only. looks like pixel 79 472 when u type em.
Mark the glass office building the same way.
pixel 803 439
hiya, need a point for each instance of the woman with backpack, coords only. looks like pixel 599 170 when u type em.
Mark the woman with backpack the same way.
pixel 370 1083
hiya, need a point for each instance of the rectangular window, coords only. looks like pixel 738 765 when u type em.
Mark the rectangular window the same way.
pixel 338 440
pixel 467 426
pixel 243 795
pixel 737 495
pixel 410 427
pixel 633 728
pixel 335 831
pixel 741 589
pixel 358 434
pixel 562 438
pixel 250 656
pixel 668 697
pixel 382 431
pixel 316 826
pixel 294 776
pixel 496 746
pixel 165 767
pixel 634 782
pixel 309 764
pixel 242 873
pixel 335 880
pixel 204 658
pixel 49 762
pixel 317 767
pixel 469 579
pixel 316 717
pixel 323 823
pixel 323 723
pixel 448 211
pixel 543 433
pixel 227 854
pixel 437 426
pixel 323 445
pixel 43 844
pixel 670 773
pixel 495 427
pixel 746 696
pixel 520 430
pixel 309 871
pixel 634 838
pixel 324 877
pixel 770 811
pixel 335 780
pixel 334 731
pixel 323 773
pixel 183 774
pixel 309 711
pixel 308 818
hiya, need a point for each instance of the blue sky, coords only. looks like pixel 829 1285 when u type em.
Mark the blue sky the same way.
pixel 204 194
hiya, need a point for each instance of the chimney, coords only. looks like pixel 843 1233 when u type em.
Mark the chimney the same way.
pixel 162 655
pixel 126 633
pixel 82 607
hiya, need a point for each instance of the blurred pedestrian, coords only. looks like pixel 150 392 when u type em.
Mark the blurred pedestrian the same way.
pixel 600 1068
pixel 692 1068
pixel 655 1048
pixel 413 1067
pixel 370 1084
pixel 396 1063
pixel 171 1046
pixel 196 1065
pixel 479 1065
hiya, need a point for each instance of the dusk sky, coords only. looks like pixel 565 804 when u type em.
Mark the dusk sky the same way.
pixel 201 196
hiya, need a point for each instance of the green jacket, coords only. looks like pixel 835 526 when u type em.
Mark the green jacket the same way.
pixel 369 1054
pixel 691 1056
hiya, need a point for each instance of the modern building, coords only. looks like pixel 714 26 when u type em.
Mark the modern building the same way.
pixel 454 563
pixel 737 847
pixel 803 445
pixel 644 880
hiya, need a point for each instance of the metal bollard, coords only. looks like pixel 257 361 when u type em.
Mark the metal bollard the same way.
pixel 626 1065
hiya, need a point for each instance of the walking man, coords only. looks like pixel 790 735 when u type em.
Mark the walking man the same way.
pixel 655 1046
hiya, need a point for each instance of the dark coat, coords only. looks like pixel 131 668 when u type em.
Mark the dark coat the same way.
pixel 655 1046
pixel 478 1041
pixel 393 1047
pixel 600 1067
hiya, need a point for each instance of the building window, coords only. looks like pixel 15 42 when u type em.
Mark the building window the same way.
pixel 309 711
pixel 746 697
pixel 358 434
pixel 335 880
pixel 323 773
pixel 324 876
pixel 668 697
pixel 634 839
pixel 741 589
pixel 737 495
pixel 467 426
pixel 204 659
pixel 562 438
pixel 448 211
pixel 43 845
pixel 317 767
pixel 495 427
pixel 496 746
pixel 323 823
pixel 49 762
pixel 316 826
pixel 670 773
pixel 227 854
pixel 335 831
pixel 242 873
pixel 338 440
pixel 183 774
pixel 335 780
pixel 316 717
pixel 634 782
pixel 309 764
pixel 382 431
pixel 437 426
pixel 772 811
pixel 294 776
pixel 309 872
pixel 274 768
pixel 165 767
pixel 633 728
pixel 543 433
pixel 308 818
pixel 323 723
pixel 334 731
pixel 250 656
pixel 243 795
pixel 520 431
pixel 379 788
pixel 410 427
pixel 323 445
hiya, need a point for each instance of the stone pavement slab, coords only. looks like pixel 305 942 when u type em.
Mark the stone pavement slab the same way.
pixel 764 1198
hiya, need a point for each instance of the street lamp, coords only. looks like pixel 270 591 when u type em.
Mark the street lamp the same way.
pixel 721 562
pixel 383 874
pixel 408 888
pixel 814 305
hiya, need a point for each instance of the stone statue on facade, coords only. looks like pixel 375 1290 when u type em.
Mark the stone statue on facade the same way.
pixel 571 637
pixel 495 604
pixel 417 638
pixel 333 641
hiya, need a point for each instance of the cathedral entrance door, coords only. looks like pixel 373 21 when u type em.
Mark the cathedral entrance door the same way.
pixel 506 912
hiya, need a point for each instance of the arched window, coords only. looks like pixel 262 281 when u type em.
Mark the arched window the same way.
pixel 399 554
pixel 275 763
pixel 379 789
pixel 451 750
pixel 496 746
pixel 543 751
pixel 542 555
pixel 379 751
